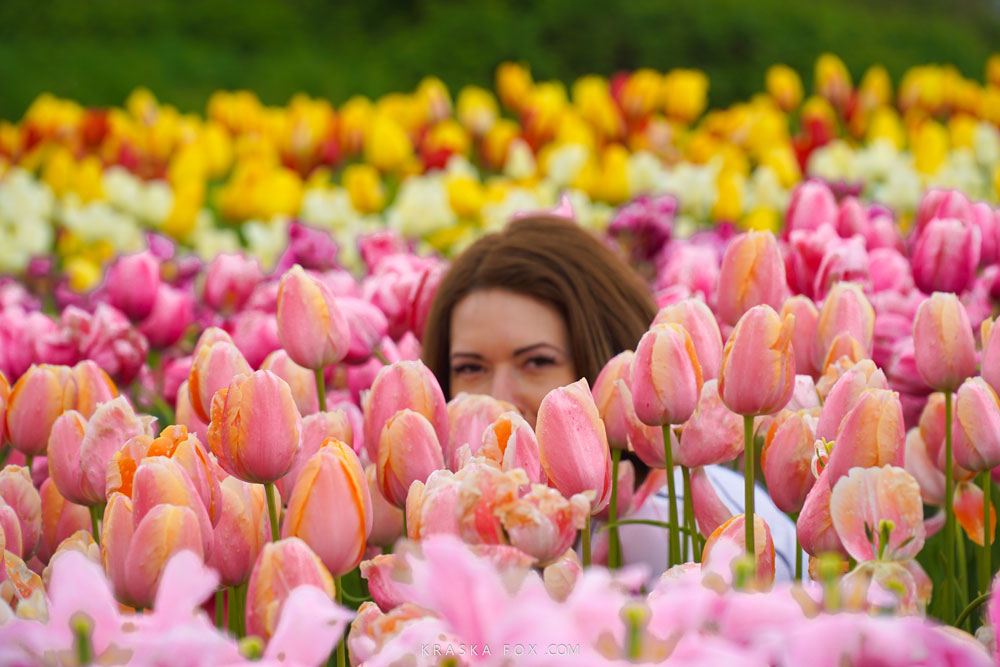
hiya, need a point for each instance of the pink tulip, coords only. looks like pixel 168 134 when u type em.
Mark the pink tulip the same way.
pixel 846 261
pixel 310 325
pixel 804 335
pixel 511 443
pixel 919 464
pixel 871 434
pixel 976 426
pixel 36 400
pixel 572 443
pixel 368 327
pixel 281 567
pixel 241 533
pixel 814 526
pixel 932 432
pixel 543 524
pixel 944 347
pixel 333 477
pixel 695 267
pixel 733 529
pixel 216 362
pixel 714 434
pixel 59 519
pixel 163 531
pixel 255 428
pixel 315 429
pixel 469 415
pixel 941 203
pixel 865 498
pixel 665 376
pixel 890 271
pixel 752 273
pixel 433 507
pixel 387 519
pixel 92 386
pixel 709 510
pixel 408 451
pixel 758 364
pixel 404 385
pixel 786 459
pixel 186 415
pixel 991 354
pixel 255 335
pixel 10 528
pixel 133 282
pixel 804 254
pixel 846 310
pixel 845 394
pixel 985 219
pixel 18 492
pixel 162 481
pixel 612 403
pixel 229 281
pixel 169 318
pixel 811 206
pixel 301 380
pixel 626 491
pixel 946 255
pixel 698 320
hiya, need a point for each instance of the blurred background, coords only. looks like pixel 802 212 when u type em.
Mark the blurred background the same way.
pixel 96 52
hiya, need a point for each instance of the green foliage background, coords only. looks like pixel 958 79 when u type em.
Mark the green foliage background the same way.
pixel 96 51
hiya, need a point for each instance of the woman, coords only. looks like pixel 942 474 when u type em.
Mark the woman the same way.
pixel 539 305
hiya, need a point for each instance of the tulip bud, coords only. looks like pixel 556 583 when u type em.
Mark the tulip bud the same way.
pixel 610 397
pixel 976 426
pixel 510 441
pixel 333 477
pixel 404 385
pixel 133 282
pixel 845 394
pixel 316 429
pixel 665 376
pixel 164 531
pixel 216 362
pixel 714 434
pixel 757 375
pixel 804 335
pixel 872 433
pixel 946 255
pixel 845 310
pixel 162 481
pixel 36 400
pixel 572 443
pixel 698 320
pixel 991 354
pixel 408 451
pixel 469 415
pixel 310 325
pixel 18 492
pixel 301 380
pixel 786 459
pixel 229 281
pixel 255 428
pixel 60 519
pixel 944 348
pixel 241 533
pixel 92 387
pixel 281 567
pixel 752 273
pixel 811 206
pixel 170 317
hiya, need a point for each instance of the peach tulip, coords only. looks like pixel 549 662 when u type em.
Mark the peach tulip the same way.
pixel 408 451
pixel 162 481
pixel 387 519
pixel 846 310
pixel 10 526
pixel 871 434
pixel 757 375
pixel 733 530
pixel 610 398
pixel 60 519
pixel 968 507
pixel 281 567
pixel 19 493
pixel 186 416
pixel 944 347
pixel 544 524
pixel 255 428
pixel 990 363
pixel 216 362
pixel 241 533
pixel 4 399
pixel 845 394
pixel 918 463
pixel 433 507
pixel 468 417
pixel 665 376
pixel 300 379
pixel 804 335
pixel 752 273
pixel 976 426
pixel 709 510
pixel 865 498
pixel 310 325
pixel 117 529
pixel 697 319
pixel 787 457
pixel 510 442
pixel 36 400
pixel 713 434
pixel 484 493
pixel 814 526
pixel 572 443
pixel 92 386
pixel 315 429
pixel 164 531
pixel 404 385
pixel 645 440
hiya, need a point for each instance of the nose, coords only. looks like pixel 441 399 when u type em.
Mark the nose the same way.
pixel 505 387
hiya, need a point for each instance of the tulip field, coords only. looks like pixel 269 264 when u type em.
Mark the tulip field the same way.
pixel 219 445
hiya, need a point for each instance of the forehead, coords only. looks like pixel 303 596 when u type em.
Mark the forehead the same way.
pixel 496 321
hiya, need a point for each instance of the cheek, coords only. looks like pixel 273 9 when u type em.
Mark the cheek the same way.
pixel 542 383
pixel 475 384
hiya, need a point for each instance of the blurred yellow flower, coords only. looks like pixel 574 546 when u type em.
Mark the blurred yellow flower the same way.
pixel 593 101
pixel 477 109
pixel 641 92
pixel 885 124
pixel 513 83
pixel 449 135
pixel 685 94
pixel 83 273
pixel 832 80
pixel 762 219
pixel 364 186
pixel 387 146
pixel 466 196
pixel 784 86
pixel 729 201
pixel 355 116
pixel 930 147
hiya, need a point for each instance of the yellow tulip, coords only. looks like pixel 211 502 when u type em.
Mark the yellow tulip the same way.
pixel 477 109
pixel 876 88
pixel 685 94
pixel 832 80
pixel 355 117
pixel 58 171
pixel 465 196
pixel 930 147
pixel 513 83
pixel 449 135
pixel 784 85
pixel 364 186
pixel 387 146
pixel 729 200
pixel 885 124
pixel 993 70
pixel 762 219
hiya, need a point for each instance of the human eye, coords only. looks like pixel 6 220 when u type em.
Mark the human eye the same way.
pixel 466 368
pixel 540 361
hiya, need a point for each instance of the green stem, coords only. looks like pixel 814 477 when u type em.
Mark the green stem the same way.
pixel 949 517
pixel 689 517
pixel 642 522
pixel 341 649
pixel 95 517
pixel 28 460
pixel 321 389
pixel 586 542
pixel 272 510
pixel 219 598
pixel 241 608
pixel 82 628
pixel 381 357
pixel 971 608
pixel 798 551
pixel 962 569
pixel 985 569
pixel 748 484
pixel 614 540
pixel 234 623
pixel 673 541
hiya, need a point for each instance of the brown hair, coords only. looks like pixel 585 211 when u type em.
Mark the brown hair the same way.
pixel 605 304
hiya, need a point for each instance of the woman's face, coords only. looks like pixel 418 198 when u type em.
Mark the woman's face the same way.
pixel 510 347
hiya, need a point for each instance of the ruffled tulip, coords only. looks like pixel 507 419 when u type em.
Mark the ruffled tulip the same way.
pixel 946 255
pixel 19 493
pixel 36 400
pixel 665 376
pixel 944 348
pixel 758 364
pixel 572 443
pixel 786 459
pixel 697 319
pixel 242 531
pixel 404 385
pixel 511 443
pixel 468 417
pixel 255 428
pixel 408 451
pixel 133 282
pixel 752 274
pixel 216 362
pixel 733 530
pixel 976 426
pixel 870 502
pixel 332 478
pixel 543 524
pixel 310 325
pixel 60 519
pixel 714 434
pixel 281 567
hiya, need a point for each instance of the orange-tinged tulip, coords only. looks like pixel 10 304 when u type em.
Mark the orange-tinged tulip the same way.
pixel 944 348
pixel 786 459
pixel 4 399
pixel 241 533
pixel 976 426
pixel 871 434
pixel 315 429
pixel 311 327
pixel 468 417
pixel 408 451
pixel 918 463
pixel 216 362
pixel 665 376
pixel 36 400
pixel 572 443
pixel 846 310
pixel 333 477
pixel 845 394
pixel 968 507
pixel 162 481
pixel 714 434
pixel 255 428
pixel 865 499
pixel 752 273
pixel 610 398
pixel 164 531
pixel 60 519
pixel 186 415
pixel 10 526
pixel 734 530
pixel 281 567
pixel 404 385
pixel 544 524
pixel 804 336
pixel 19 493
pixel 300 379
pixel 387 519
pixel 433 507
pixel 697 319
pixel 117 530
pixel 757 375
pixel 814 526
pixel 92 387
pixel 510 441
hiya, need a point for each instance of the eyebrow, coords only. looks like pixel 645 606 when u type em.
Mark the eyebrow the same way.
pixel 519 351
